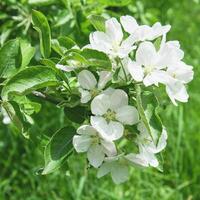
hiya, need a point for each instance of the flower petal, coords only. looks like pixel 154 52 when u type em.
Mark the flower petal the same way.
pixel 177 91
pixel 100 41
pixel 109 148
pixel 162 142
pixel 115 130
pixel 86 130
pixel 95 155
pixel 85 95
pixel 65 67
pixel 135 70
pixel 127 115
pixel 129 23
pixel 104 169
pixel 119 173
pixel 81 142
pixel 114 30
pixel 146 54
pixel 137 159
pixel 118 99
pixel 87 80
pixel 100 104
pixel 104 77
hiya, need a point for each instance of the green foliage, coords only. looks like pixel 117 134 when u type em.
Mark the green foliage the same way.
pixel 10 56
pixel 28 80
pixel 41 25
pixel 58 149
pixel 68 19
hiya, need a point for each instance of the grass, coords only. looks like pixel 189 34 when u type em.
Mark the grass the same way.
pixel 20 159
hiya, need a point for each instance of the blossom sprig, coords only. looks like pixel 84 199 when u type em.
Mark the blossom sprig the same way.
pixel 115 97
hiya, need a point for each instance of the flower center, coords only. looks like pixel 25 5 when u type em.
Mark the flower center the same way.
pixel 148 70
pixel 115 47
pixel 110 115
pixel 94 92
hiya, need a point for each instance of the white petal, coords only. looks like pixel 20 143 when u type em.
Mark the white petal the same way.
pixel 100 41
pixel 85 95
pixel 87 80
pixel 142 33
pixel 86 130
pixel 104 169
pixel 109 148
pixel 177 91
pixel 129 23
pixel 158 30
pixel 119 173
pixel 181 71
pixel 162 142
pixel 127 115
pixel 137 159
pixel 135 70
pixel 65 67
pixel 81 142
pixel 100 104
pixel 170 50
pixel 118 99
pixel 109 131
pixel 114 30
pixel 115 130
pixel 146 54
pixel 95 155
pixel 104 77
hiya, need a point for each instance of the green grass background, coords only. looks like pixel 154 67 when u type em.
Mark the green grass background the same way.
pixel 20 158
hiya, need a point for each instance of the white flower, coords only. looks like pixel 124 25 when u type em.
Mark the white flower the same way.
pixel 147 66
pixel 118 168
pixel 111 111
pixel 180 74
pixel 144 32
pixel 111 42
pixel 89 86
pixel 147 148
pixel 88 140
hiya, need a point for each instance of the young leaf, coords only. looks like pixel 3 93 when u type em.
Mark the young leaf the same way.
pixel 41 25
pixel 58 149
pixel 98 22
pixel 16 116
pixel 28 80
pixel 10 58
pixel 27 52
pixel 66 42
pixel 96 58
pixel 75 114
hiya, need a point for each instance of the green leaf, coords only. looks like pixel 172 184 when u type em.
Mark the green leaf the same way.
pixel 76 114
pixel 16 116
pixel 27 52
pixel 97 58
pixel 116 3
pixel 149 113
pixel 58 149
pixel 42 2
pixel 28 80
pixel 66 42
pixel 10 58
pixel 41 25
pixel 98 22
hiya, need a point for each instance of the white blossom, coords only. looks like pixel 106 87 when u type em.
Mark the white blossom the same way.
pixel 111 41
pixel 143 32
pixel 117 167
pixel 111 111
pixel 6 119
pixel 89 140
pixel 147 148
pixel 89 87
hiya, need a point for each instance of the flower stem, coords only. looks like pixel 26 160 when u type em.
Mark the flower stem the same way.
pixel 141 109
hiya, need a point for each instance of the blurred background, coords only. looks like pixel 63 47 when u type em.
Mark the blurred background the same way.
pixel 20 159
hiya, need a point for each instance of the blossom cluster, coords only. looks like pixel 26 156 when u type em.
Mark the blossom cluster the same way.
pixel 143 56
